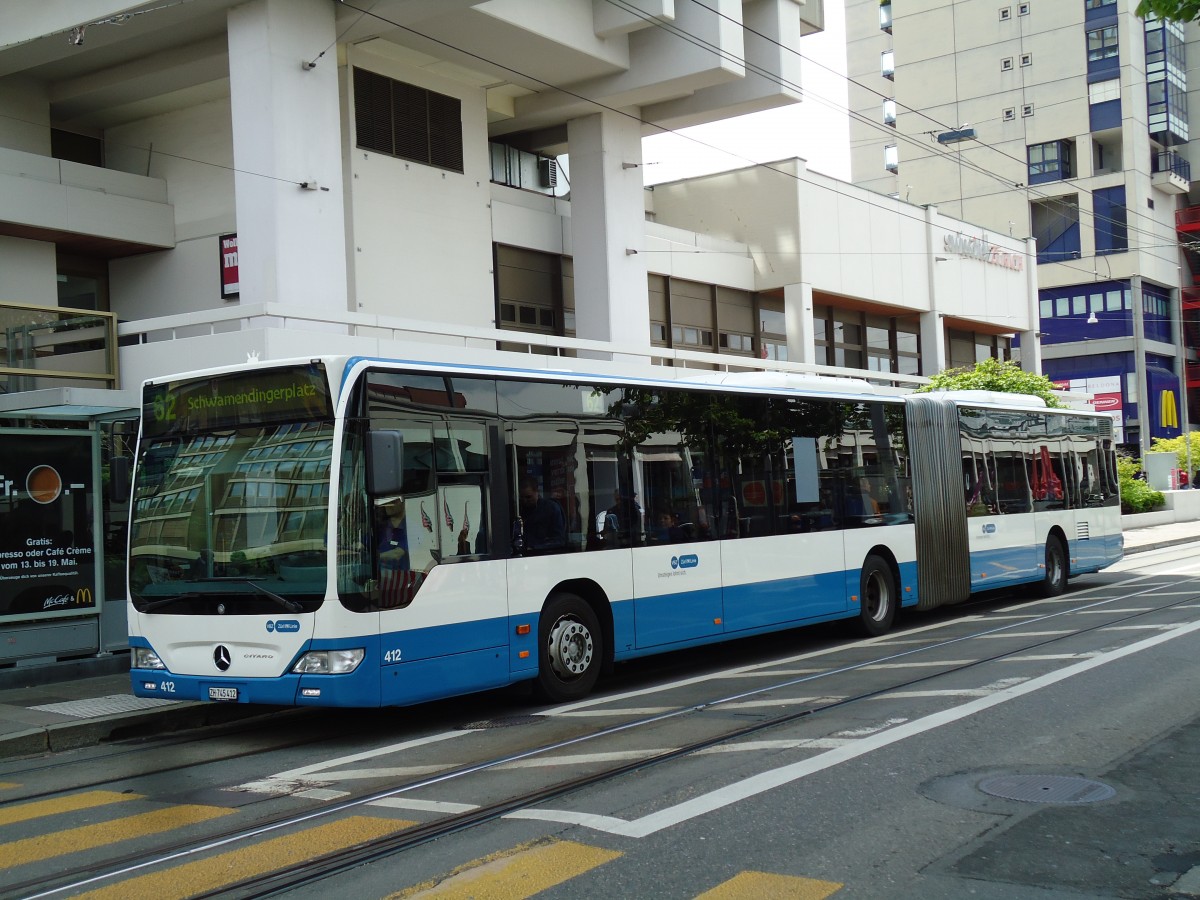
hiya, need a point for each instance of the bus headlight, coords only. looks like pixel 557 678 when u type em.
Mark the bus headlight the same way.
pixel 329 662
pixel 145 658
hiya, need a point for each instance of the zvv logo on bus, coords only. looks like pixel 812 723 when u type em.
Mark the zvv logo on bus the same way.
pixel 687 561
pixel 284 626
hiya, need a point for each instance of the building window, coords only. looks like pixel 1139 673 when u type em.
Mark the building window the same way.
pixel 1010 114
pixel 1096 4
pixel 887 64
pixel 1022 9
pixel 1055 223
pixel 407 121
pixel 1111 219
pixel 1103 91
pixel 1102 43
pixel 885 15
pixel 1027 110
pixel 891 158
pixel 1050 161
pixel 1027 59
pixel 889 112
pixel 1006 64
pixel 1005 13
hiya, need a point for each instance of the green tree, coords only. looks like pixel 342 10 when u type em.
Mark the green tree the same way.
pixel 1176 10
pixel 993 375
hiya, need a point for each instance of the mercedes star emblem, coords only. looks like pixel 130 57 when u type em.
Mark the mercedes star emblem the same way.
pixel 222 658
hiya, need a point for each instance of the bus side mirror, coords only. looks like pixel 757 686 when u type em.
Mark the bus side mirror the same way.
pixel 119 468
pixel 385 471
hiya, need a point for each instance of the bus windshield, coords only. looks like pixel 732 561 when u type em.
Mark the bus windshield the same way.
pixel 234 512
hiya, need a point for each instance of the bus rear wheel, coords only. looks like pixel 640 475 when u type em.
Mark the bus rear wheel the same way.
pixel 877 598
pixel 1054 581
pixel 570 649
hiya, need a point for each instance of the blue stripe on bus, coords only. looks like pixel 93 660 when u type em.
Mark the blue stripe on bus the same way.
pixel 405 667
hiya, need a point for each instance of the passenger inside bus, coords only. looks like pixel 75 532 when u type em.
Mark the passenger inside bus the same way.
pixel 392 533
pixel 543 525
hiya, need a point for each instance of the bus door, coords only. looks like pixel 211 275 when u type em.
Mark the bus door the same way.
pixel 998 491
pixel 676 567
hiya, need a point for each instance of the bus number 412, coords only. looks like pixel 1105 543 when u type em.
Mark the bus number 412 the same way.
pixel 391 656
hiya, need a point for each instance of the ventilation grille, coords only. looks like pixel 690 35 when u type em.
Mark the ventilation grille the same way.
pixel 1083 531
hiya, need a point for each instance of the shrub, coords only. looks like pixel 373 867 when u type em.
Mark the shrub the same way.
pixel 1136 495
pixel 1178 446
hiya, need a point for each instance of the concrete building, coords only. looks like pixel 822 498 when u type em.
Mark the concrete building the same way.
pixel 195 184
pixel 1065 121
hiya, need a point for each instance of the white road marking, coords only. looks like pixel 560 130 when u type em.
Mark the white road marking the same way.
pixel 870 729
pixel 438 806
pixel 928 664
pixel 581 759
pixel 618 711
pixel 321 794
pixel 775 778
pixel 803 744
pixel 1138 627
pixel 288 782
pixel 1106 611
pixel 781 701
pixel 1049 657
pixel 1026 634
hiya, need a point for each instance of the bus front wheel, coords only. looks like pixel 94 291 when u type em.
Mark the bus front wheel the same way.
pixel 877 597
pixel 569 649
pixel 1054 581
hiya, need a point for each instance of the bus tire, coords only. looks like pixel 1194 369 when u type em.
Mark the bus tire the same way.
pixel 570 649
pixel 1054 580
pixel 877 597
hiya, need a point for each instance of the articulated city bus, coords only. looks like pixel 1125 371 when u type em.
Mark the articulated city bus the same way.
pixel 369 532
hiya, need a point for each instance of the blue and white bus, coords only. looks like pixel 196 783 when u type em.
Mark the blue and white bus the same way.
pixel 367 532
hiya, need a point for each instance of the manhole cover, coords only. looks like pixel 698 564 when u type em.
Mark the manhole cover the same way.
pixel 1046 788
pixel 503 722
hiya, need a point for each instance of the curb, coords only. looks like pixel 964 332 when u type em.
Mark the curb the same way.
pixel 63 736
pixel 1159 545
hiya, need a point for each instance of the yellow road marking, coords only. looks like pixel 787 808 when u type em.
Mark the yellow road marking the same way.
pixel 72 840
pixel 7 785
pixel 514 874
pixel 73 803
pixel 763 886
pixel 229 868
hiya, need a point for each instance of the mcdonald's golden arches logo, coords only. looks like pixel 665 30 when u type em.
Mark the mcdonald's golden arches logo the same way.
pixel 83 597
pixel 1168 412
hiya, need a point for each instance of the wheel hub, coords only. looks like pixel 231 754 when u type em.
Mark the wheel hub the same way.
pixel 570 647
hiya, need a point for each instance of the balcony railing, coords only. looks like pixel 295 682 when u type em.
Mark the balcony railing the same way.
pixel 1170 161
pixel 53 346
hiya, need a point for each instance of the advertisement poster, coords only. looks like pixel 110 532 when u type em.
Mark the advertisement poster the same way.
pixel 230 281
pixel 47 547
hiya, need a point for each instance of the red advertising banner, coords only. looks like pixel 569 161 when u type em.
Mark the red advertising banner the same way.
pixel 230 283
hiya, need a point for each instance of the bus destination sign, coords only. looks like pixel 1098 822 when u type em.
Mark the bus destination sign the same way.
pixel 266 396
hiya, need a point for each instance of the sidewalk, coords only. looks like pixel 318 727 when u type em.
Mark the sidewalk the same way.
pixel 71 707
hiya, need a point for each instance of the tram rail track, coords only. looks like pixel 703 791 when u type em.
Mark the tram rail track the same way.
pixel 290 878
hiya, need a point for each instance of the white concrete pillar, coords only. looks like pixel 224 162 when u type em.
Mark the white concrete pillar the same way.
pixel 933 343
pixel 286 131
pixel 798 316
pixel 1031 340
pixel 608 228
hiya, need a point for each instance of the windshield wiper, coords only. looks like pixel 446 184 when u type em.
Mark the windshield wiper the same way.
pixel 165 601
pixel 289 605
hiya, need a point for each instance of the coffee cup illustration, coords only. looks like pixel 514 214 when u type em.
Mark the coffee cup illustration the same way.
pixel 43 484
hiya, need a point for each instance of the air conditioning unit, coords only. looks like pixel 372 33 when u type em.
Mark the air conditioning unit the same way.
pixel 547 172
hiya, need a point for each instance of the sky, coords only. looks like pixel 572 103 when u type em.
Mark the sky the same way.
pixel 816 129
